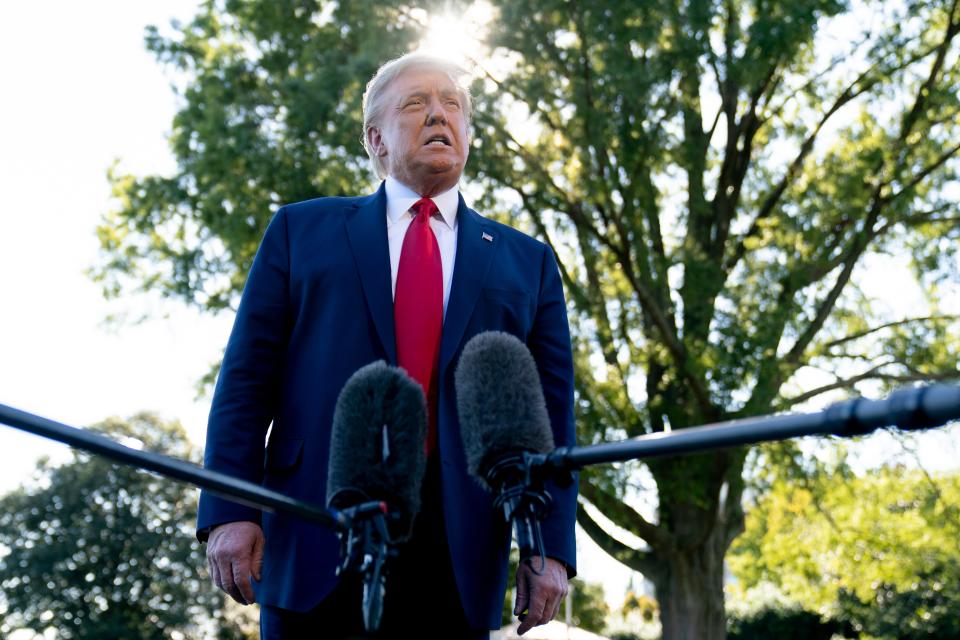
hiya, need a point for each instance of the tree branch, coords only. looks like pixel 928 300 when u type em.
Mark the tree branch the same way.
pixel 868 233
pixel 635 559
pixel 645 296
pixel 926 171
pixel 950 511
pixel 628 518
pixel 832 64
pixel 534 164
pixel 873 374
pixel 853 254
pixel 846 383
pixel 850 92
pixel 886 325
pixel 548 117
pixel 736 162
pixel 595 139
pixel 925 89
pixel 923 217
pixel 580 295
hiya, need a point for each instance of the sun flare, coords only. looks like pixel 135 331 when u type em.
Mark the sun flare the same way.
pixel 459 37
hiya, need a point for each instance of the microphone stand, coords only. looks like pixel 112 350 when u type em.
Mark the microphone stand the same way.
pixel 365 549
pixel 525 500
pixel 362 528
pixel 908 409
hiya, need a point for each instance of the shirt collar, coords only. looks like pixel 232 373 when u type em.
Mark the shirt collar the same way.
pixel 400 198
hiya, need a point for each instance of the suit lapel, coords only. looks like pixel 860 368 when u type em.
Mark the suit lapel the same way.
pixel 476 242
pixel 367 232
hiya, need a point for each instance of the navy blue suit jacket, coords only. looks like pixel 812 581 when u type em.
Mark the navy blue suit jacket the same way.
pixel 316 307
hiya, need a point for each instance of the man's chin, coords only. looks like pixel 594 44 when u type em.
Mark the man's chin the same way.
pixel 441 163
pixel 447 170
pixel 436 170
pixel 436 175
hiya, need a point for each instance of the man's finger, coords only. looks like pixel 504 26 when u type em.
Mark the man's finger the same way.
pixel 552 608
pixel 554 605
pixel 522 592
pixel 214 572
pixel 556 609
pixel 535 614
pixel 256 560
pixel 241 578
pixel 227 582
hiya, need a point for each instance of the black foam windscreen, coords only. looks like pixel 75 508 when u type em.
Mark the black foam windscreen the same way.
pixel 500 401
pixel 377 444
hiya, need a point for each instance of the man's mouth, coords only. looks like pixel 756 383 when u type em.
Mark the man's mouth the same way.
pixel 437 141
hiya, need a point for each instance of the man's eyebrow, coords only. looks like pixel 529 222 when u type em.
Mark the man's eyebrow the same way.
pixel 423 93
pixel 414 93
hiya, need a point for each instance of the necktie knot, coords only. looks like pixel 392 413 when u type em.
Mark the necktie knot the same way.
pixel 424 209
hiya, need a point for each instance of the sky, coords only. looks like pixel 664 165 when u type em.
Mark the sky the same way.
pixel 79 91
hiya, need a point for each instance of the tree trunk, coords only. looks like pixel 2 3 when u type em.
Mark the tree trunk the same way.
pixel 690 591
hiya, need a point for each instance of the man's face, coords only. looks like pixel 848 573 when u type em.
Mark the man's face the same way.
pixel 423 137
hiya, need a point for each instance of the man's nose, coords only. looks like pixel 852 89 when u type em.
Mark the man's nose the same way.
pixel 435 112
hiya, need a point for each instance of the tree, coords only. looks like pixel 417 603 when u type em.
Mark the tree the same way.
pixel 878 552
pixel 95 550
pixel 713 175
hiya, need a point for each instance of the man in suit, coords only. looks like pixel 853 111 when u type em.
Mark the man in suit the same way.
pixel 408 275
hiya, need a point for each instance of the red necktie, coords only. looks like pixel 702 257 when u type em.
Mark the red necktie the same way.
pixel 418 308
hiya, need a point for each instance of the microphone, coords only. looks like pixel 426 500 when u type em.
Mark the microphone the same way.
pixel 377 462
pixel 376 447
pixel 503 421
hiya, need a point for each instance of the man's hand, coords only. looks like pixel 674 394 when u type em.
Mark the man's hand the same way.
pixel 234 553
pixel 540 595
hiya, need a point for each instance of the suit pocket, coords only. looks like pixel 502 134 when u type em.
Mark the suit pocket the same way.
pixel 283 455
pixel 505 310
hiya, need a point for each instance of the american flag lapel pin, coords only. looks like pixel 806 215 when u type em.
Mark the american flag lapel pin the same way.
pixel 486 236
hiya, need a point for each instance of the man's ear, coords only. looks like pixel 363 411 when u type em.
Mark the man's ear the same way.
pixel 375 140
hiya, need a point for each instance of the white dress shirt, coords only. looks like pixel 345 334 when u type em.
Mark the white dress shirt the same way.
pixel 400 198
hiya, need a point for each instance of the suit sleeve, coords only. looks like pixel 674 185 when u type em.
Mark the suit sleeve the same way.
pixel 247 390
pixel 549 342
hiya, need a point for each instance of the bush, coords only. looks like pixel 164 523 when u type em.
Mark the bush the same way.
pixel 782 624
pixel 927 610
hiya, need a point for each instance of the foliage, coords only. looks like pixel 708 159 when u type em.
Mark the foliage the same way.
pixel 789 624
pixel 589 608
pixel 878 552
pixel 643 604
pixel 637 618
pixel 716 177
pixel 94 550
pixel 269 115
pixel 926 609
